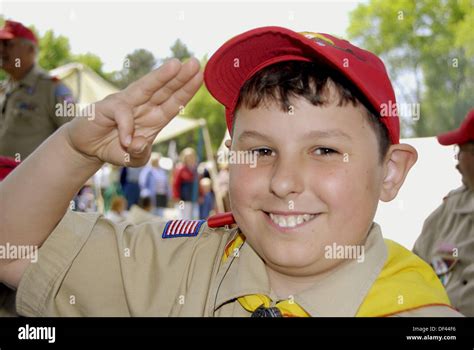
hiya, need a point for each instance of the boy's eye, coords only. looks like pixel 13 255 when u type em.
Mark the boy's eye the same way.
pixel 263 152
pixel 324 151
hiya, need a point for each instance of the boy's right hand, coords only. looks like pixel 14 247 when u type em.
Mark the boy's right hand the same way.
pixel 125 124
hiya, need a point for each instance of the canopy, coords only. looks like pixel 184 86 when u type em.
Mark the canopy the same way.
pixel 177 126
pixel 86 85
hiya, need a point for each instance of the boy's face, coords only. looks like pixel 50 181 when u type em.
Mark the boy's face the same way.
pixel 298 178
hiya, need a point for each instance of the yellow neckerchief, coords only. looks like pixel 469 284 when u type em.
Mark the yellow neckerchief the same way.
pixel 405 283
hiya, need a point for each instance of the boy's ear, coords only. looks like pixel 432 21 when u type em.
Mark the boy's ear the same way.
pixel 398 161
pixel 228 143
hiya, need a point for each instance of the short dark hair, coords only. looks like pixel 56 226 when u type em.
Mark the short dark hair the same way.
pixel 283 81
pixel 144 202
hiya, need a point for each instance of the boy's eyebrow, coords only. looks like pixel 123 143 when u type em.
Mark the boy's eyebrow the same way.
pixel 314 134
pixel 251 134
pixel 325 134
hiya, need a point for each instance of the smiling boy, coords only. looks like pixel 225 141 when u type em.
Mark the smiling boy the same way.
pixel 307 105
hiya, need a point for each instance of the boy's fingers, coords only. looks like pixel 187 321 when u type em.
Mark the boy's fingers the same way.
pixel 140 91
pixel 125 124
pixel 180 98
pixel 187 72
pixel 138 146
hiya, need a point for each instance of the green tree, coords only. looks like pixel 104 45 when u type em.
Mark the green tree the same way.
pixel 92 61
pixel 203 105
pixel 180 51
pixel 54 51
pixel 428 48
pixel 136 64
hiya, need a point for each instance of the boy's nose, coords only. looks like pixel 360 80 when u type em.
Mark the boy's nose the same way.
pixel 286 179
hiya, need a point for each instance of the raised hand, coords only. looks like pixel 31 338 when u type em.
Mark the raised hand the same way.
pixel 125 124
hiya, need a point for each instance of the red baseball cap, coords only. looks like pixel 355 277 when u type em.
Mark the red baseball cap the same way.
pixel 14 29
pixel 461 135
pixel 241 57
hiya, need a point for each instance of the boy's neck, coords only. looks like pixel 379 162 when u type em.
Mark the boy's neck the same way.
pixel 285 285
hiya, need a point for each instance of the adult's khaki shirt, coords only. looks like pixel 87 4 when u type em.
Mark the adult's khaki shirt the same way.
pixel 90 266
pixel 451 227
pixel 28 112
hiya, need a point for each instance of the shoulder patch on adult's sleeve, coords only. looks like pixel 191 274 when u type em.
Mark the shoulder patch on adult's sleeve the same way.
pixel 182 228
pixel 63 94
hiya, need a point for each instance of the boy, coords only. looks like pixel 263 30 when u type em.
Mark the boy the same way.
pixel 305 244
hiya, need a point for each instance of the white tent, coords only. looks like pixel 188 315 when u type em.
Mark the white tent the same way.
pixel 177 126
pixel 86 85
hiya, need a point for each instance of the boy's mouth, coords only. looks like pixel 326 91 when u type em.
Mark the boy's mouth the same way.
pixel 289 220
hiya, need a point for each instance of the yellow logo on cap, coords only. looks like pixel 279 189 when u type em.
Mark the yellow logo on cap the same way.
pixel 319 38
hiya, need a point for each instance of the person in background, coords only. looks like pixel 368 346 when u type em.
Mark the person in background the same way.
pixel 117 212
pixel 223 184
pixel 129 178
pixel 142 212
pixel 113 188
pixel 154 183
pixel 29 99
pixel 447 239
pixel 85 200
pixel 183 182
pixel 206 200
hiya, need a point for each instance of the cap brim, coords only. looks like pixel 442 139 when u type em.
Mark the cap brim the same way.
pixel 455 137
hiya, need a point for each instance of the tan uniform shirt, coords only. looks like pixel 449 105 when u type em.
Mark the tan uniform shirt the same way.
pixel 92 267
pixel 28 112
pixel 447 243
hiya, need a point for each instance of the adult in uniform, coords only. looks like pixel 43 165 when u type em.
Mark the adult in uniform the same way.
pixel 447 239
pixel 29 99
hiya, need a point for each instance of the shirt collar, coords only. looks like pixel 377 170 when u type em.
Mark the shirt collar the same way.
pixel 242 274
pixel 339 294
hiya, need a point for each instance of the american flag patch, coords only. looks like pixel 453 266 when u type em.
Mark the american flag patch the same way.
pixel 182 228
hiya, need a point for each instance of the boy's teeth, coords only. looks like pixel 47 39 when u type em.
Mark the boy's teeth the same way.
pixel 290 220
